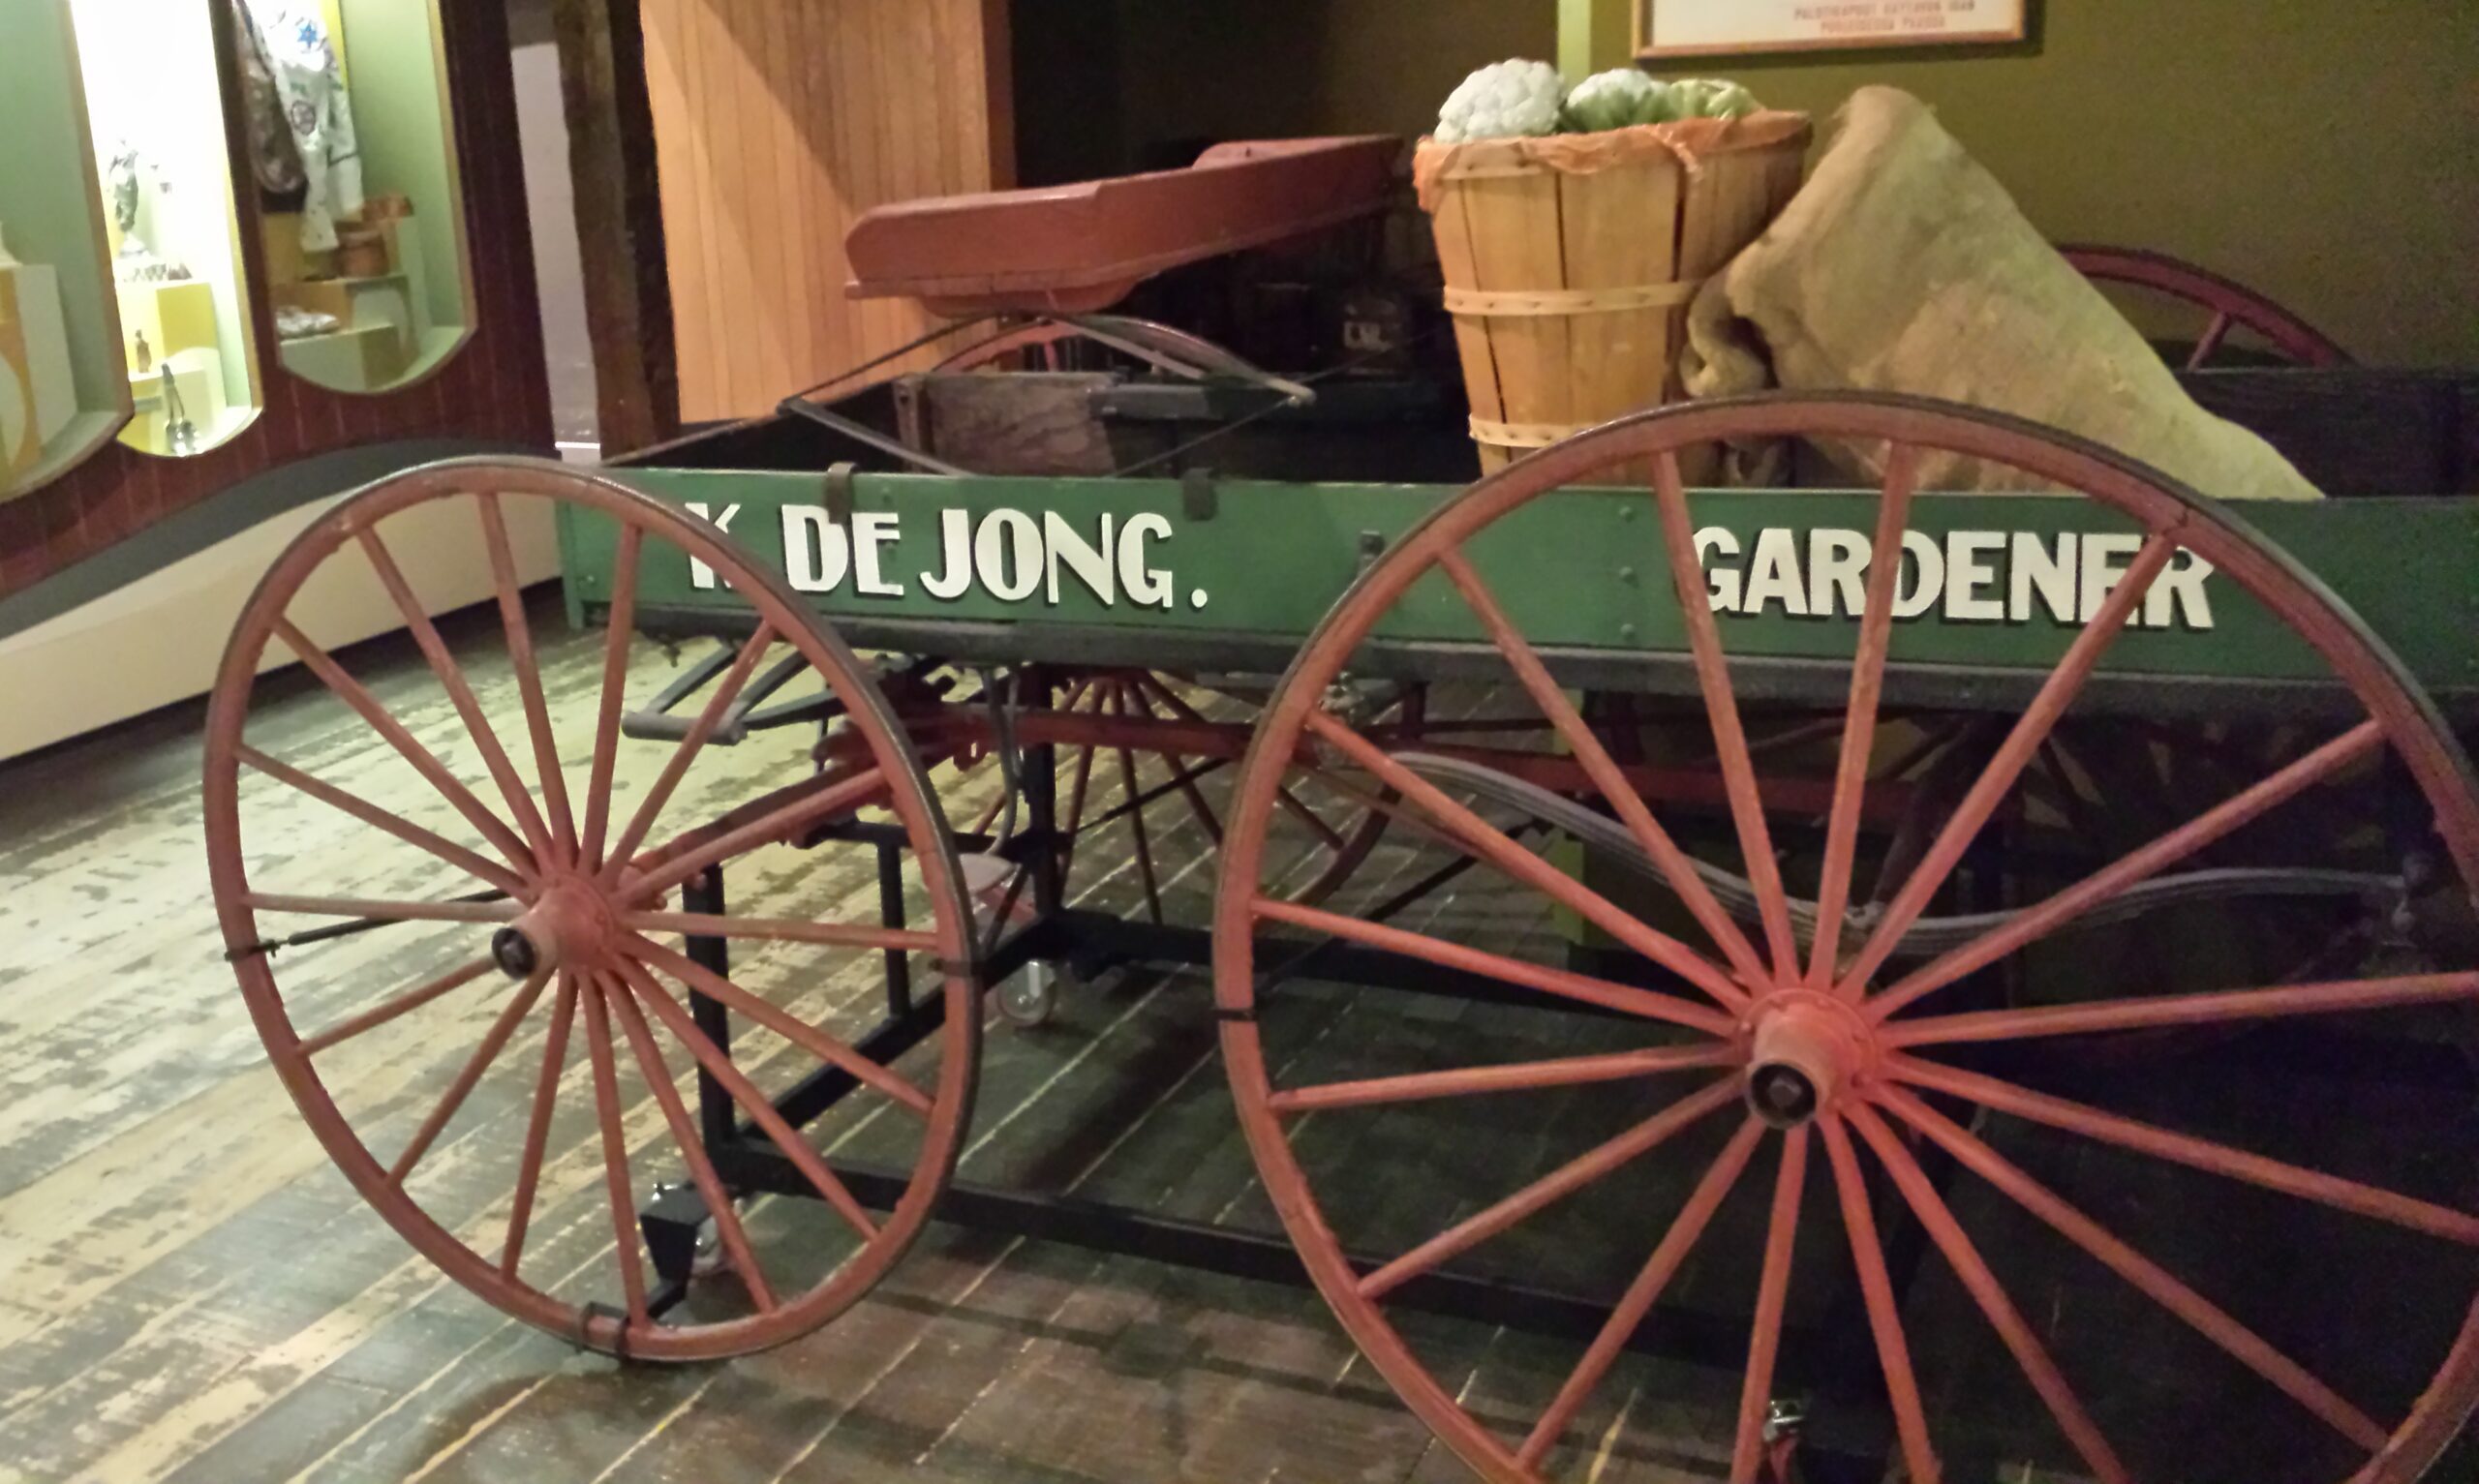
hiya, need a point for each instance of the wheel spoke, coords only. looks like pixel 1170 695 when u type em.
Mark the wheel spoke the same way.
pixel 1485 840
pixel 2195 1153
pixel 529 673
pixel 1136 818
pixel 1080 787
pixel 1602 769
pixel 1557 1184
pixel 383 911
pixel 790 1027
pixel 650 808
pixel 1646 1288
pixel 434 772
pixel 538 1124
pixel 1884 1310
pixel 1721 707
pixel 360 808
pixel 1562 983
pixel 615 1155
pixel 1181 776
pixel 692 1151
pixel 1859 718
pixel 761 1111
pixel 1517 1076
pixel 1990 1294
pixel 2014 754
pixel 460 692
pixel 411 1000
pixel 2036 922
pixel 2243 1344
pixel 703 924
pixel 619 627
pixel 1327 835
pixel 762 821
pixel 2210 339
pixel 2206 1008
pixel 1772 1296
pixel 501 1028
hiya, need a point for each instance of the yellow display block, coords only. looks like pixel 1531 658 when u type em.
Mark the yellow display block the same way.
pixel 367 359
pixel 173 317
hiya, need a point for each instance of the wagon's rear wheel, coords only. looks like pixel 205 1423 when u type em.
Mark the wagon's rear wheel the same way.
pixel 2227 317
pixel 477 928
pixel 1835 1054
pixel 1134 797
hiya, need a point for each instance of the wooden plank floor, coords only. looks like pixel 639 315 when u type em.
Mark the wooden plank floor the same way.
pixel 189 1290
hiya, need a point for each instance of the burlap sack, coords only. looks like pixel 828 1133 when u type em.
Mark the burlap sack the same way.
pixel 1904 266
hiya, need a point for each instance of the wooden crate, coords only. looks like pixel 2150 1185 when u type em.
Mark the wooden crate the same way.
pixel 1569 262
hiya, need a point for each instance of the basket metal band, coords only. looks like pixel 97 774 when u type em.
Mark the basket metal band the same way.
pixel 1523 434
pixel 1513 302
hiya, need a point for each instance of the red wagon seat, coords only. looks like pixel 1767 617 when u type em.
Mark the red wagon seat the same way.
pixel 1079 248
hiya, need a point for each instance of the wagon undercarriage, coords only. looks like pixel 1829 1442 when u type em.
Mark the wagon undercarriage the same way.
pixel 1594 856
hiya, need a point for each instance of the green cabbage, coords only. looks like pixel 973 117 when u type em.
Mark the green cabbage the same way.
pixel 1618 99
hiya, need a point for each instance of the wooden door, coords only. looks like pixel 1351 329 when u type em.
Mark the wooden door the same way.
pixel 777 123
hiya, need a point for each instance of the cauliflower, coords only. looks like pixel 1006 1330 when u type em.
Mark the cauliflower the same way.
pixel 1710 98
pixel 1614 100
pixel 1504 99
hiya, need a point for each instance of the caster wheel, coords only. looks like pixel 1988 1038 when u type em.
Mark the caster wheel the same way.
pixel 1028 1000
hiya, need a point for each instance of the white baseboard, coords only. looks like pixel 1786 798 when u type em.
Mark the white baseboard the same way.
pixel 159 639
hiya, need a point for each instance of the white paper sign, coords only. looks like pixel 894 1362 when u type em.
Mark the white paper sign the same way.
pixel 1672 28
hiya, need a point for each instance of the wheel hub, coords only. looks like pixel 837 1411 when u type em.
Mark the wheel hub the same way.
pixel 1804 1051
pixel 569 926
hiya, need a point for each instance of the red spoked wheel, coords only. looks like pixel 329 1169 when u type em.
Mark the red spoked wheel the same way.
pixel 2227 305
pixel 1141 767
pixel 475 927
pixel 1824 1038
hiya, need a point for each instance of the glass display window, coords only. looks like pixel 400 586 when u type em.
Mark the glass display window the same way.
pixel 155 113
pixel 352 152
pixel 63 392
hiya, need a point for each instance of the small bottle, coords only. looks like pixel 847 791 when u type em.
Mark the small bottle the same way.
pixel 143 360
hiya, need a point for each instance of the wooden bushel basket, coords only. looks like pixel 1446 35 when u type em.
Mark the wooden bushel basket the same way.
pixel 1570 260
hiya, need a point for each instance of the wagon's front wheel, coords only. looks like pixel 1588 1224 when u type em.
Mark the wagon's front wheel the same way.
pixel 517 972
pixel 1778 1045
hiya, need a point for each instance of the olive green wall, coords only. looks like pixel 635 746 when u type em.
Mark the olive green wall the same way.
pixel 1110 87
pixel 2327 155
pixel 1297 67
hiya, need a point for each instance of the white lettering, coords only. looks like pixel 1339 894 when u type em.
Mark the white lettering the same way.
pixel 1837 569
pixel 701 575
pixel 2099 575
pixel 955 539
pixel 2049 572
pixel 1969 576
pixel 1773 573
pixel 872 531
pixel 2181 583
pixel 1146 586
pixel 816 552
pixel 1007 555
pixel 1722 584
pixel 1925 566
pixel 1091 568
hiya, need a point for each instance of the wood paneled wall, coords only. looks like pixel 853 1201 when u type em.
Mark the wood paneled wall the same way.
pixel 779 122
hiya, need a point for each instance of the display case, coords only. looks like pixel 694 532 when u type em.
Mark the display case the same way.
pixel 351 150
pixel 172 234
pixel 62 393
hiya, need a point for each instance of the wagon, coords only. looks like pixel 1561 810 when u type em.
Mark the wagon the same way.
pixel 1927 870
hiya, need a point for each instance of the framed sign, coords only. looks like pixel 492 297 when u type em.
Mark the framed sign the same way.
pixel 1689 28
